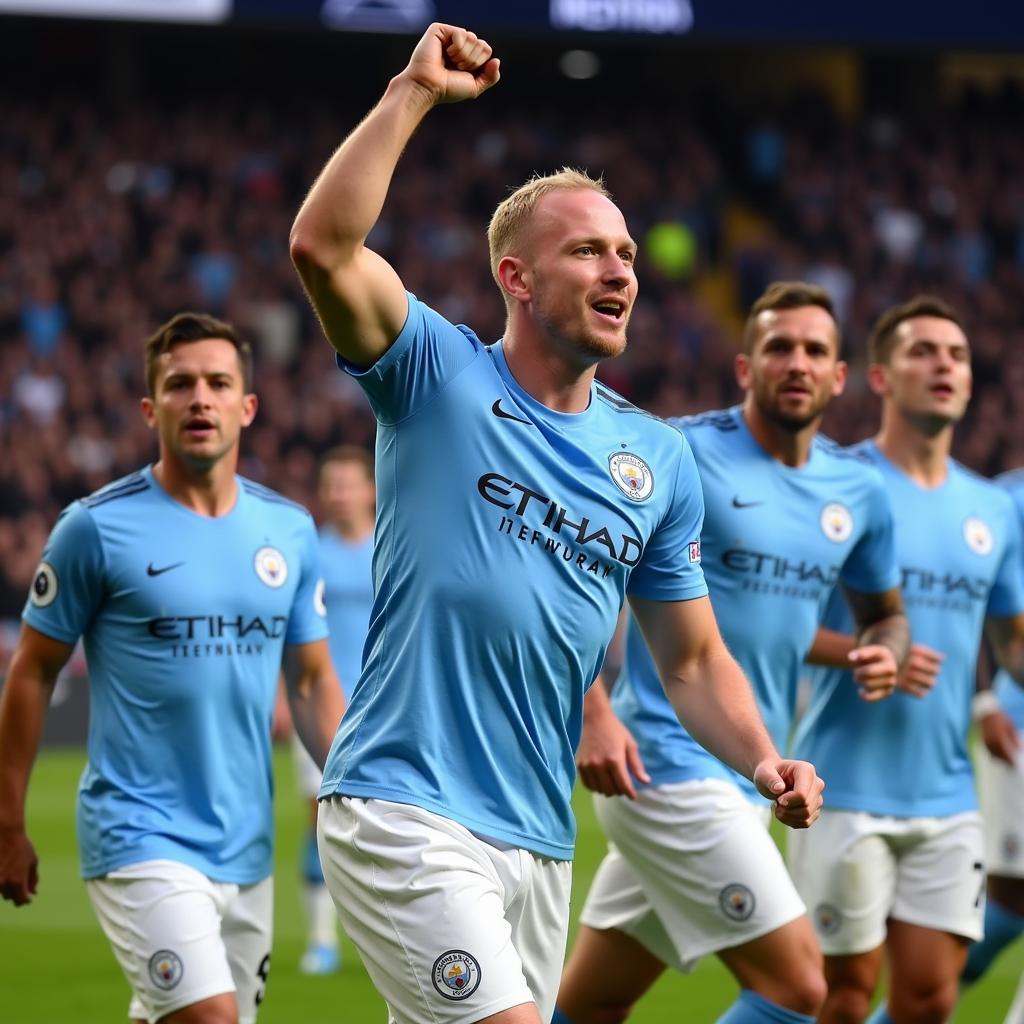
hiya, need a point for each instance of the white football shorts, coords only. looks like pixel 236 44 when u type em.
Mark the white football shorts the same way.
pixel 1002 807
pixel 856 870
pixel 691 869
pixel 452 927
pixel 180 937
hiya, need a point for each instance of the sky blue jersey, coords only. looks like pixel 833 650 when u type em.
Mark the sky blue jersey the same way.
pixel 183 618
pixel 348 594
pixel 776 540
pixel 1011 694
pixel 507 537
pixel 959 550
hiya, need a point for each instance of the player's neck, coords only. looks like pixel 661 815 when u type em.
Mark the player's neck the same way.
pixel 546 375
pixel 790 447
pixel 353 531
pixel 211 493
pixel 923 456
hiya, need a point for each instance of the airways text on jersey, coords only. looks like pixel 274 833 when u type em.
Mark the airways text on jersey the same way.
pixel 534 518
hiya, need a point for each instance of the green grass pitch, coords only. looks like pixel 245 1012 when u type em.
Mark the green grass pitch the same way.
pixel 55 964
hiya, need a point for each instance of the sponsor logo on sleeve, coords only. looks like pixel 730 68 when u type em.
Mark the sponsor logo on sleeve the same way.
pixel 694 550
pixel 44 586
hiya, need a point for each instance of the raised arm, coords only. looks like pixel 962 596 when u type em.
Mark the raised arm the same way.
pixel 714 702
pixel 357 295
pixel 33 673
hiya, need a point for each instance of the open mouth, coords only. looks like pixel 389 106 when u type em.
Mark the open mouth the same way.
pixel 942 390
pixel 199 427
pixel 611 309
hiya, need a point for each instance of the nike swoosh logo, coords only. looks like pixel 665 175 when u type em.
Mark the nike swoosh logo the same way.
pixel 150 571
pixel 502 415
pixel 736 503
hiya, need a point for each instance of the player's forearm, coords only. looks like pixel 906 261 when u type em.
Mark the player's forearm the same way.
pixel 23 706
pixel 893 632
pixel 831 649
pixel 317 705
pixel 348 196
pixel 713 700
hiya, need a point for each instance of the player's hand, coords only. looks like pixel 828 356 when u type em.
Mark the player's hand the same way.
pixel 19 867
pixel 1000 736
pixel 920 671
pixel 795 788
pixel 608 758
pixel 452 64
pixel 875 671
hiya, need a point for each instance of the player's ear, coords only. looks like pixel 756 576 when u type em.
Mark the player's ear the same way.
pixel 148 412
pixel 250 403
pixel 515 278
pixel 839 384
pixel 741 365
pixel 878 379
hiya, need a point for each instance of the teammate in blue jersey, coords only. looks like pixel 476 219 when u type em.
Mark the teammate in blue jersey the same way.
pixel 185 582
pixel 519 503
pixel 347 501
pixel 1000 715
pixel 692 869
pixel 896 866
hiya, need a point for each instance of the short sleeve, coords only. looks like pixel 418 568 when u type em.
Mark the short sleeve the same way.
pixel 871 566
pixel 68 586
pixel 670 569
pixel 1006 597
pixel 307 621
pixel 428 353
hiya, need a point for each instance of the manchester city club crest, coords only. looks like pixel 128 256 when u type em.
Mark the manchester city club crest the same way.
pixel 44 586
pixel 456 974
pixel 737 902
pixel 836 522
pixel 165 969
pixel 827 919
pixel 978 535
pixel 271 567
pixel 631 475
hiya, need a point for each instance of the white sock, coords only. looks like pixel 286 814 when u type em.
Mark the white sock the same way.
pixel 321 915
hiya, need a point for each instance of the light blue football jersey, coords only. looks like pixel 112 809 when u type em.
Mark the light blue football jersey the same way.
pixel 507 537
pixel 348 594
pixel 959 551
pixel 1011 694
pixel 776 540
pixel 183 618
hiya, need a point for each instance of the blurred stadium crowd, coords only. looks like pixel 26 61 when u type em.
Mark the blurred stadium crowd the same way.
pixel 112 221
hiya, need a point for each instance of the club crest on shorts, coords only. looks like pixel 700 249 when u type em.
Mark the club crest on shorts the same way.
pixel 827 919
pixel 978 535
pixel 165 969
pixel 1011 846
pixel 271 567
pixel 836 522
pixel 44 586
pixel 456 974
pixel 737 902
pixel 631 475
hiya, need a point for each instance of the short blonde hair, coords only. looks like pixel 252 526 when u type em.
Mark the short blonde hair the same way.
pixel 504 233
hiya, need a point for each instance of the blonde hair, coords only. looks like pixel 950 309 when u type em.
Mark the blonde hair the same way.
pixel 505 231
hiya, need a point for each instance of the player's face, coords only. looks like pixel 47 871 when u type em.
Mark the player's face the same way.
pixel 928 377
pixel 199 406
pixel 347 493
pixel 793 369
pixel 579 272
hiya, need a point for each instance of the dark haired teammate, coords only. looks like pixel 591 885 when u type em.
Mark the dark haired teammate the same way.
pixel 185 582
pixel 692 869
pixel 897 865
pixel 518 504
